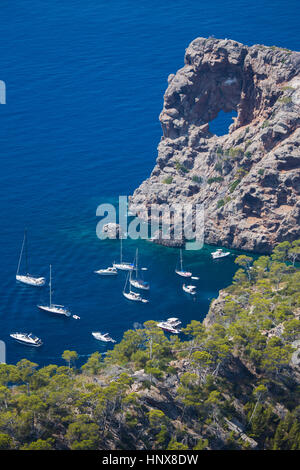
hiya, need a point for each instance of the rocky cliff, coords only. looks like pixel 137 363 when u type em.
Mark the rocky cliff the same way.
pixel 248 179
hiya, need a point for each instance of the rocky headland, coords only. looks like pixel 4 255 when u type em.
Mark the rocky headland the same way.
pixel 248 179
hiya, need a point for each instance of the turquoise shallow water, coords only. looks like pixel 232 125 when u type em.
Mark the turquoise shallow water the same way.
pixel 85 82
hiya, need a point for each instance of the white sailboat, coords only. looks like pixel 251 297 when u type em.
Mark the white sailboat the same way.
pixel 131 295
pixel 123 266
pixel 27 278
pixel 180 271
pixel 54 308
pixel 138 282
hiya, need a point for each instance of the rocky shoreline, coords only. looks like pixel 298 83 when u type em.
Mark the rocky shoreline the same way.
pixel 248 179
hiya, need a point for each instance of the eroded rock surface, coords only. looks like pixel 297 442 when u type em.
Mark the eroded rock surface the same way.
pixel 249 179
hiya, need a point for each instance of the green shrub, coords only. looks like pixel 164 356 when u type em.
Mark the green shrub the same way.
pixel 215 179
pixel 220 203
pixel 266 123
pixel 235 152
pixel 219 167
pixel 197 179
pixel 234 185
pixel 168 180
pixel 179 167
pixel 261 171
pixel 285 99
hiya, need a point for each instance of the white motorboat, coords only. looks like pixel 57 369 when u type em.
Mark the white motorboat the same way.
pixel 131 295
pixel 189 289
pixel 174 321
pixel 27 278
pixel 170 325
pixel 111 270
pixel 138 282
pixel 164 325
pixel 103 337
pixel 76 317
pixel 27 338
pixel 219 253
pixel 123 266
pixel 54 308
pixel 181 271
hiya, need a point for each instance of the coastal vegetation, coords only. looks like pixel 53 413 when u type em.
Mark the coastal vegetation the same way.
pixel 231 382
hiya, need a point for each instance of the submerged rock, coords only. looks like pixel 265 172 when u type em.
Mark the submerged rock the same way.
pixel 248 179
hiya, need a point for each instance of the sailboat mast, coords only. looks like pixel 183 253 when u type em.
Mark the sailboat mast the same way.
pixel 50 287
pixel 121 250
pixel 26 251
pixel 181 259
pixel 21 254
pixel 136 262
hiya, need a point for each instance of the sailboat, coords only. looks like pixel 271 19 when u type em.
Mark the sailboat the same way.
pixel 54 308
pixel 180 271
pixel 131 295
pixel 123 266
pixel 27 278
pixel 138 282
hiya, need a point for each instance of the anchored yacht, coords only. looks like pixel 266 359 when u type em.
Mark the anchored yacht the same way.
pixel 54 308
pixel 189 289
pixel 110 271
pixel 219 253
pixel 123 266
pixel 181 271
pixel 27 338
pixel 138 282
pixel 131 295
pixel 27 278
pixel 170 325
pixel 103 337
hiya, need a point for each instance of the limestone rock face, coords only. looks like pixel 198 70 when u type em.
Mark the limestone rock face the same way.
pixel 249 179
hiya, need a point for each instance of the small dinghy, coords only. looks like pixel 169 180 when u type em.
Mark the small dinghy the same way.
pixel 110 271
pixel 28 278
pixel 180 271
pixel 103 337
pixel 27 338
pixel 219 253
pixel 54 308
pixel 76 317
pixel 189 289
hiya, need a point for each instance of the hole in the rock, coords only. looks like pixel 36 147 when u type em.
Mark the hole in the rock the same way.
pixel 220 125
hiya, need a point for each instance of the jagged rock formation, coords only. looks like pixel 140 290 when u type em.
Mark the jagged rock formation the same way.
pixel 249 179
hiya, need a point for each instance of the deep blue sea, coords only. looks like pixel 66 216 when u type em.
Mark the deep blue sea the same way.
pixel 85 82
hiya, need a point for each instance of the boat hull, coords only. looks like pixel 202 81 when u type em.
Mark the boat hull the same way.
pixel 183 273
pixel 27 343
pixel 123 267
pixel 106 273
pixel 139 284
pixel 31 281
pixel 223 255
pixel 57 311
pixel 134 298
